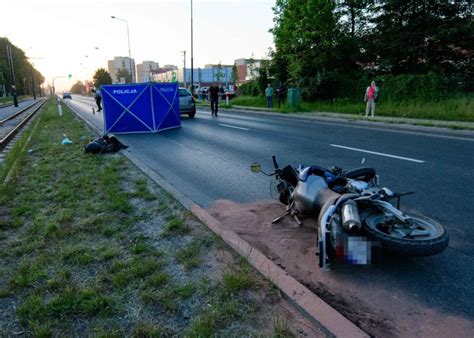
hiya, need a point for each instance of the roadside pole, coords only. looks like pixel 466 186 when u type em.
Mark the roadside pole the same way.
pixel 60 108
pixel 12 74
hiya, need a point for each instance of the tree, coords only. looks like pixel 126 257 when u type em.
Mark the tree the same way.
pixel 307 41
pixel 78 88
pixel 419 36
pixel 219 72
pixel 123 73
pixel 263 78
pixel 23 69
pixel 101 77
pixel 234 75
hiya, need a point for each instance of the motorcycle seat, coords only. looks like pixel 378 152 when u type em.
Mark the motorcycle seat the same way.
pixel 331 179
pixel 314 170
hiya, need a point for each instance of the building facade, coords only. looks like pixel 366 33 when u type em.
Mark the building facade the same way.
pixel 247 69
pixel 120 62
pixel 222 74
pixel 145 71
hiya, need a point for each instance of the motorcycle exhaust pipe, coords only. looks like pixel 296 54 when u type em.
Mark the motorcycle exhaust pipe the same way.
pixel 350 217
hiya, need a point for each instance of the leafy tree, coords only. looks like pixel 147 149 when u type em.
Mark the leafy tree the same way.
pixel 78 88
pixel 123 73
pixel 307 41
pixel 234 75
pixel 252 67
pixel 101 77
pixel 419 36
pixel 263 78
pixel 219 73
pixel 23 69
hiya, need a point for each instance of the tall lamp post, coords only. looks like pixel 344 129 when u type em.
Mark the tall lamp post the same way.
pixel 129 53
pixel 12 74
pixel 184 68
pixel 192 60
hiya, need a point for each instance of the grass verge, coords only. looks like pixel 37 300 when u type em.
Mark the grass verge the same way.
pixel 90 247
pixel 455 109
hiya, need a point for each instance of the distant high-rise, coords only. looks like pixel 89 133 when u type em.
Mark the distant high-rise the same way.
pixel 145 71
pixel 118 63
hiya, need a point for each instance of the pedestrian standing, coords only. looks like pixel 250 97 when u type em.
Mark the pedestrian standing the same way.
pixel 98 99
pixel 214 98
pixel 371 95
pixel 269 96
pixel 281 94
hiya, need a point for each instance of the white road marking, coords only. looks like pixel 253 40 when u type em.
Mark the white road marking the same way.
pixel 229 126
pixel 377 153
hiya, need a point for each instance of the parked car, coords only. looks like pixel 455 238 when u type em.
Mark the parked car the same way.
pixel 67 96
pixel 187 104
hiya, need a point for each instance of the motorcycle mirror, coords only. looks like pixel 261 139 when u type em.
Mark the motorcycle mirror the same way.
pixel 255 167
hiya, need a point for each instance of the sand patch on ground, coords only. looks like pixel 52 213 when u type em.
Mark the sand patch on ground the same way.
pixel 293 248
pixel 370 296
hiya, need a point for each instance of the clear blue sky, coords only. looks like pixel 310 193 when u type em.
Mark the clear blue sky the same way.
pixel 58 35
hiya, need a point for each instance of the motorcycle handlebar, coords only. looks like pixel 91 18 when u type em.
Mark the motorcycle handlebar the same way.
pixel 275 164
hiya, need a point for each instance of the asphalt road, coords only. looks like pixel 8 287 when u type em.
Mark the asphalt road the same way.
pixel 208 158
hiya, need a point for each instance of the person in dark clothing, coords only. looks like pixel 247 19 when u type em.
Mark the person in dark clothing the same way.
pixel 98 99
pixel 214 98
pixel 281 94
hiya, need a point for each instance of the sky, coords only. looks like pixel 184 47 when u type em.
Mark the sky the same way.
pixel 77 37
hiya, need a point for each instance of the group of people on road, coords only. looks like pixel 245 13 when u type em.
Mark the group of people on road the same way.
pixel 281 95
pixel 370 97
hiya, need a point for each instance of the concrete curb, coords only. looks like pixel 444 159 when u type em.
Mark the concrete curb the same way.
pixel 299 295
pixel 303 299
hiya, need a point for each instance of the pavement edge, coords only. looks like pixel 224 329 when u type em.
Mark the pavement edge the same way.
pixel 298 294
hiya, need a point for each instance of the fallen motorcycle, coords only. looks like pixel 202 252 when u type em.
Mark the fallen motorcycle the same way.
pixel 354 214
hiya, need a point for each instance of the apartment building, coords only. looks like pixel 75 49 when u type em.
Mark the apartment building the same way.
pixel 247 69
pixel 120 62
pixel 145 71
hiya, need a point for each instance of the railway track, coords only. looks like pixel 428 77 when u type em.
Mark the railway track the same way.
pixel 12 123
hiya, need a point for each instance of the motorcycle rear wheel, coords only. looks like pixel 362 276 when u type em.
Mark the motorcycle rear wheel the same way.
pixel 421 237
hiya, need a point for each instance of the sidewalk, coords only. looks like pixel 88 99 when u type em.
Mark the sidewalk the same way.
pixel 466 128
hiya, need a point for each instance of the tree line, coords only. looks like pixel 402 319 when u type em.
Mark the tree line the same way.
pixel 333 49
pixel 25 72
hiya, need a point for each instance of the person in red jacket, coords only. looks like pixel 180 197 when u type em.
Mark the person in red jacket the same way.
pixel 371 95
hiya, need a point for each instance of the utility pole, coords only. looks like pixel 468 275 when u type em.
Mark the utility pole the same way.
pixel 33 84
pixel 12 74
pixel 192 61
pixel 184 68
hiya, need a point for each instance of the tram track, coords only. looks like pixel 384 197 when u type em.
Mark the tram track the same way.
pixel 11 125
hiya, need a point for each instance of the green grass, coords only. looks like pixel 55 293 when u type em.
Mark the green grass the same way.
pixel 74 252
pixel 142 191
pixel 455 109
pixel 175 226
pixel 281 329
pixel 9 99
pixel 190 255
pixel 238 279
pixel 251 101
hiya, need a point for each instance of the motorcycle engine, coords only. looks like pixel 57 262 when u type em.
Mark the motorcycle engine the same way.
pixel 357 186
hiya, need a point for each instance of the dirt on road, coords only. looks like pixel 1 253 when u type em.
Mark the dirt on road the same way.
pixel 374 307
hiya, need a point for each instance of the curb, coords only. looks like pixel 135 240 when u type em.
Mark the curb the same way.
pixel 300 296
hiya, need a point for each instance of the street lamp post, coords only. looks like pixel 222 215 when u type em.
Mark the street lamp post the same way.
pixel 128 36
pixel 184 68
pixel 12 74
pixel 192 61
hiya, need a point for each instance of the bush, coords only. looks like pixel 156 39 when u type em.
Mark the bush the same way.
pixel 251 88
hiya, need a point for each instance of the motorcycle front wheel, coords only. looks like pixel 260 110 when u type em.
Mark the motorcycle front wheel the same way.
pixel 420 236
